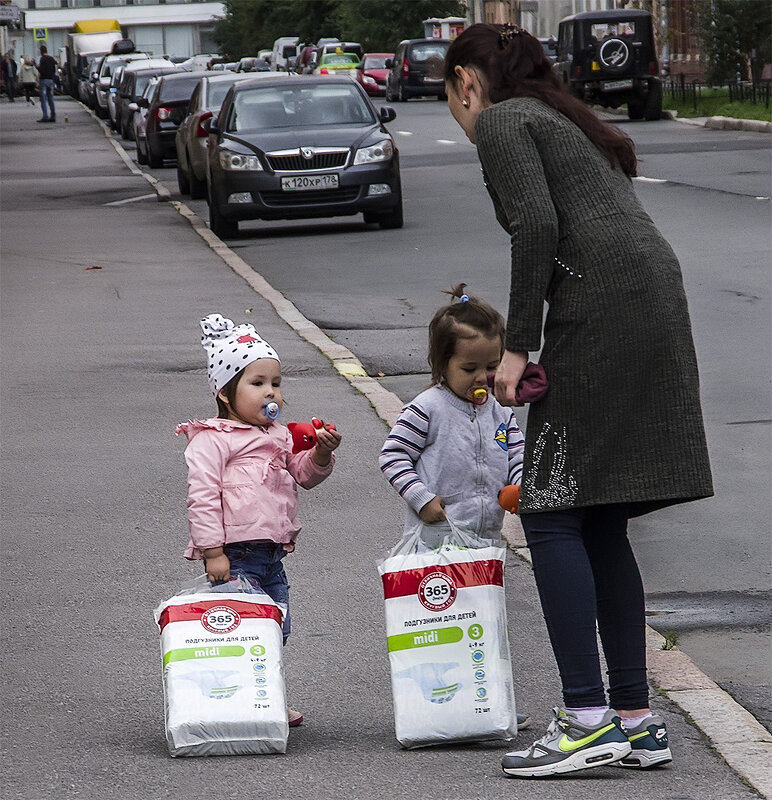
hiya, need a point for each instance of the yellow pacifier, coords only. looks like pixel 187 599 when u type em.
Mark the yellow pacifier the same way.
pixel 480 397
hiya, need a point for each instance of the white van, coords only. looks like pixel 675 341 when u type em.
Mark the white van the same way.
pixel 284 49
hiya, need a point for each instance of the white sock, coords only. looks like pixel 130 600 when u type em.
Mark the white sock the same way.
pixel 590 716
pixel 628 723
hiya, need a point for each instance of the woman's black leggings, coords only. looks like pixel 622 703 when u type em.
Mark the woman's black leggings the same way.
pixel 585 571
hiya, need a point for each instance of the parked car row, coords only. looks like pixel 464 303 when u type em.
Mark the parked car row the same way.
pixel 266 145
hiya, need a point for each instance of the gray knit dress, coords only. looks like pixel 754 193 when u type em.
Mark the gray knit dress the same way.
pixel 622 421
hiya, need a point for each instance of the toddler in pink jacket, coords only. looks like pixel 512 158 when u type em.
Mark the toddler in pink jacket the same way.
pixel 242 473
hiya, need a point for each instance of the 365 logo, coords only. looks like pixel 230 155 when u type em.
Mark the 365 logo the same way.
pixel 437 591
pixel 220 619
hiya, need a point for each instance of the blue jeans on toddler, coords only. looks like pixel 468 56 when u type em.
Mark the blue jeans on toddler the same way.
pixel 261 560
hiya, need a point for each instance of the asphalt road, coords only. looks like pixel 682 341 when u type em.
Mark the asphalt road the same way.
pixel 706 565
pixel 98 367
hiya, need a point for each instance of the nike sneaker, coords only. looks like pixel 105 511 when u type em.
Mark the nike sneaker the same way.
pixel 569 746
pixel 649 743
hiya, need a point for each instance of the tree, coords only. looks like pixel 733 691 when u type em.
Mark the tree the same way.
pixel 379 25
pixel 736 37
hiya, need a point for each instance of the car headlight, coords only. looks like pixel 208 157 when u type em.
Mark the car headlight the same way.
pixel 369 80
pixel 236 162
pixel 382 151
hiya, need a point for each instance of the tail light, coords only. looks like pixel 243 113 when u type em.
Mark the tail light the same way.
pixel 405 69
pixel 163 113
pixel 652 67
pixel 324 71
pixel 201 132
pixel 578 72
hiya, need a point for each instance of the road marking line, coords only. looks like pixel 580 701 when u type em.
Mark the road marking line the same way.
pixel 649 180
pixel 446 141
pixel 132 200
pixel 405 133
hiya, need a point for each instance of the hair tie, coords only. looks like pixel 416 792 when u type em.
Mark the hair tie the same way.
pixel 464 298
pixel 507 33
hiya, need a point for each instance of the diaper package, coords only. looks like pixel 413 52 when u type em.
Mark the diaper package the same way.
pixel 446 633
pixel 223 676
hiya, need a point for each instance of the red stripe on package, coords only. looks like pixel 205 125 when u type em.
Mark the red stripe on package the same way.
pixel 194 611
pixel 477 573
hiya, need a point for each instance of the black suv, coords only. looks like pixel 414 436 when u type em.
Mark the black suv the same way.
pixel 608 58
pixel 417 69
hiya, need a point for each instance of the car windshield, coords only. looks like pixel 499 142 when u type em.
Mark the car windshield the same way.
pixel 375 63
pixel 179 89
pixel 275 107
pixel 426 51
pixel 217 92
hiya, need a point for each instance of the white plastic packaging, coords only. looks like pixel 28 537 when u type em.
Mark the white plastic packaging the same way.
pixel 223 675
pixel 447 639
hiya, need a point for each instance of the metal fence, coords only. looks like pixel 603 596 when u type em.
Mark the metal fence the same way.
pixel 755 92
pixel 679 89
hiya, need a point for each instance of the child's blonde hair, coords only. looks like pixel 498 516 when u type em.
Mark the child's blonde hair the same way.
pixel 448 324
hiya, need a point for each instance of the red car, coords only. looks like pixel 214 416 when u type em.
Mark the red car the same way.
pixel 372 73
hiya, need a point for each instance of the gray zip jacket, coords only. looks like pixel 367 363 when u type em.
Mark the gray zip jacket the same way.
pixel 445 446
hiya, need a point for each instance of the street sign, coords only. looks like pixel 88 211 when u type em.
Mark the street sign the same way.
pixel 40 34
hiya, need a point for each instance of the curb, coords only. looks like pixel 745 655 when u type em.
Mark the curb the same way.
pixel 737 736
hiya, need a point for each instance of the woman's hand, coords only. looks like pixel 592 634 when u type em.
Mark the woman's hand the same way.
pixel 218 566
pixel 433 511
pixel 508 376
pixel 326 441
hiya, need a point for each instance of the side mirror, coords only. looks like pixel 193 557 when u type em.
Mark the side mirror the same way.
pixel 133 107
pixel 210 125
pixel 389 63
pixel 387 114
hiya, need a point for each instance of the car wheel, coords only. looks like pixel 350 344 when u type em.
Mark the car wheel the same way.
pixel 154 161
pixel 635 107
pixel 219 225
pixel 394 218
pixel 653 110
pixel 182 181
pixel 141 157
pixel 197 187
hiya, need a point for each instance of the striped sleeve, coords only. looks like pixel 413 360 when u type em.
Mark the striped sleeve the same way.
pixel 401 451
pixel 515 450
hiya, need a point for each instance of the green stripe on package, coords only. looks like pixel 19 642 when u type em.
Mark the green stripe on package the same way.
pixel 187 653
pixel 428 638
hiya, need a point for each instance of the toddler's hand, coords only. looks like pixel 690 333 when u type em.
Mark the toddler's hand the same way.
pixel 433 511
pixel 326 442
pixel 218 568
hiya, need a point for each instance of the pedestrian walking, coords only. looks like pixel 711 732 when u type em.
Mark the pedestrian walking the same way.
pixel 10 71
pixel 28 75
pixel 47 72
pixel 437 461
pixel 242 472
pixel 620 431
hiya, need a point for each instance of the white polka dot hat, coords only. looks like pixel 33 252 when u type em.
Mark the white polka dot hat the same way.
pixel 229 348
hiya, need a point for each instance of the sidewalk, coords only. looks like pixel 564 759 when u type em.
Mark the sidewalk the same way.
pixel 112 365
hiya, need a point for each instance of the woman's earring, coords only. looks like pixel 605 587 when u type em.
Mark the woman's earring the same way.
pixel 465 103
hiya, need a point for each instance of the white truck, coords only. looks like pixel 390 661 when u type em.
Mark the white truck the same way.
pixel 284 49
pixel 90 37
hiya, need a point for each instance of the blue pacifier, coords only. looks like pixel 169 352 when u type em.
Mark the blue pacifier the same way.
pixel 271 410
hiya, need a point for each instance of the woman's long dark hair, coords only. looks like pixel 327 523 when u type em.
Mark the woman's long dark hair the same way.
pixel 513 64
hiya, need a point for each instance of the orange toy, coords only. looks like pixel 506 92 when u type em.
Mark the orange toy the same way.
pixel 509 498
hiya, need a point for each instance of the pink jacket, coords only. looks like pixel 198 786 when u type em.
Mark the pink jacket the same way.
pixel 242 483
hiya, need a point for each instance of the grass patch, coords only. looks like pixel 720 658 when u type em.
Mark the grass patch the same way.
pixel 715 103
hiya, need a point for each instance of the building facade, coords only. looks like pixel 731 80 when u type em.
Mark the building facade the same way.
pixel 161 27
